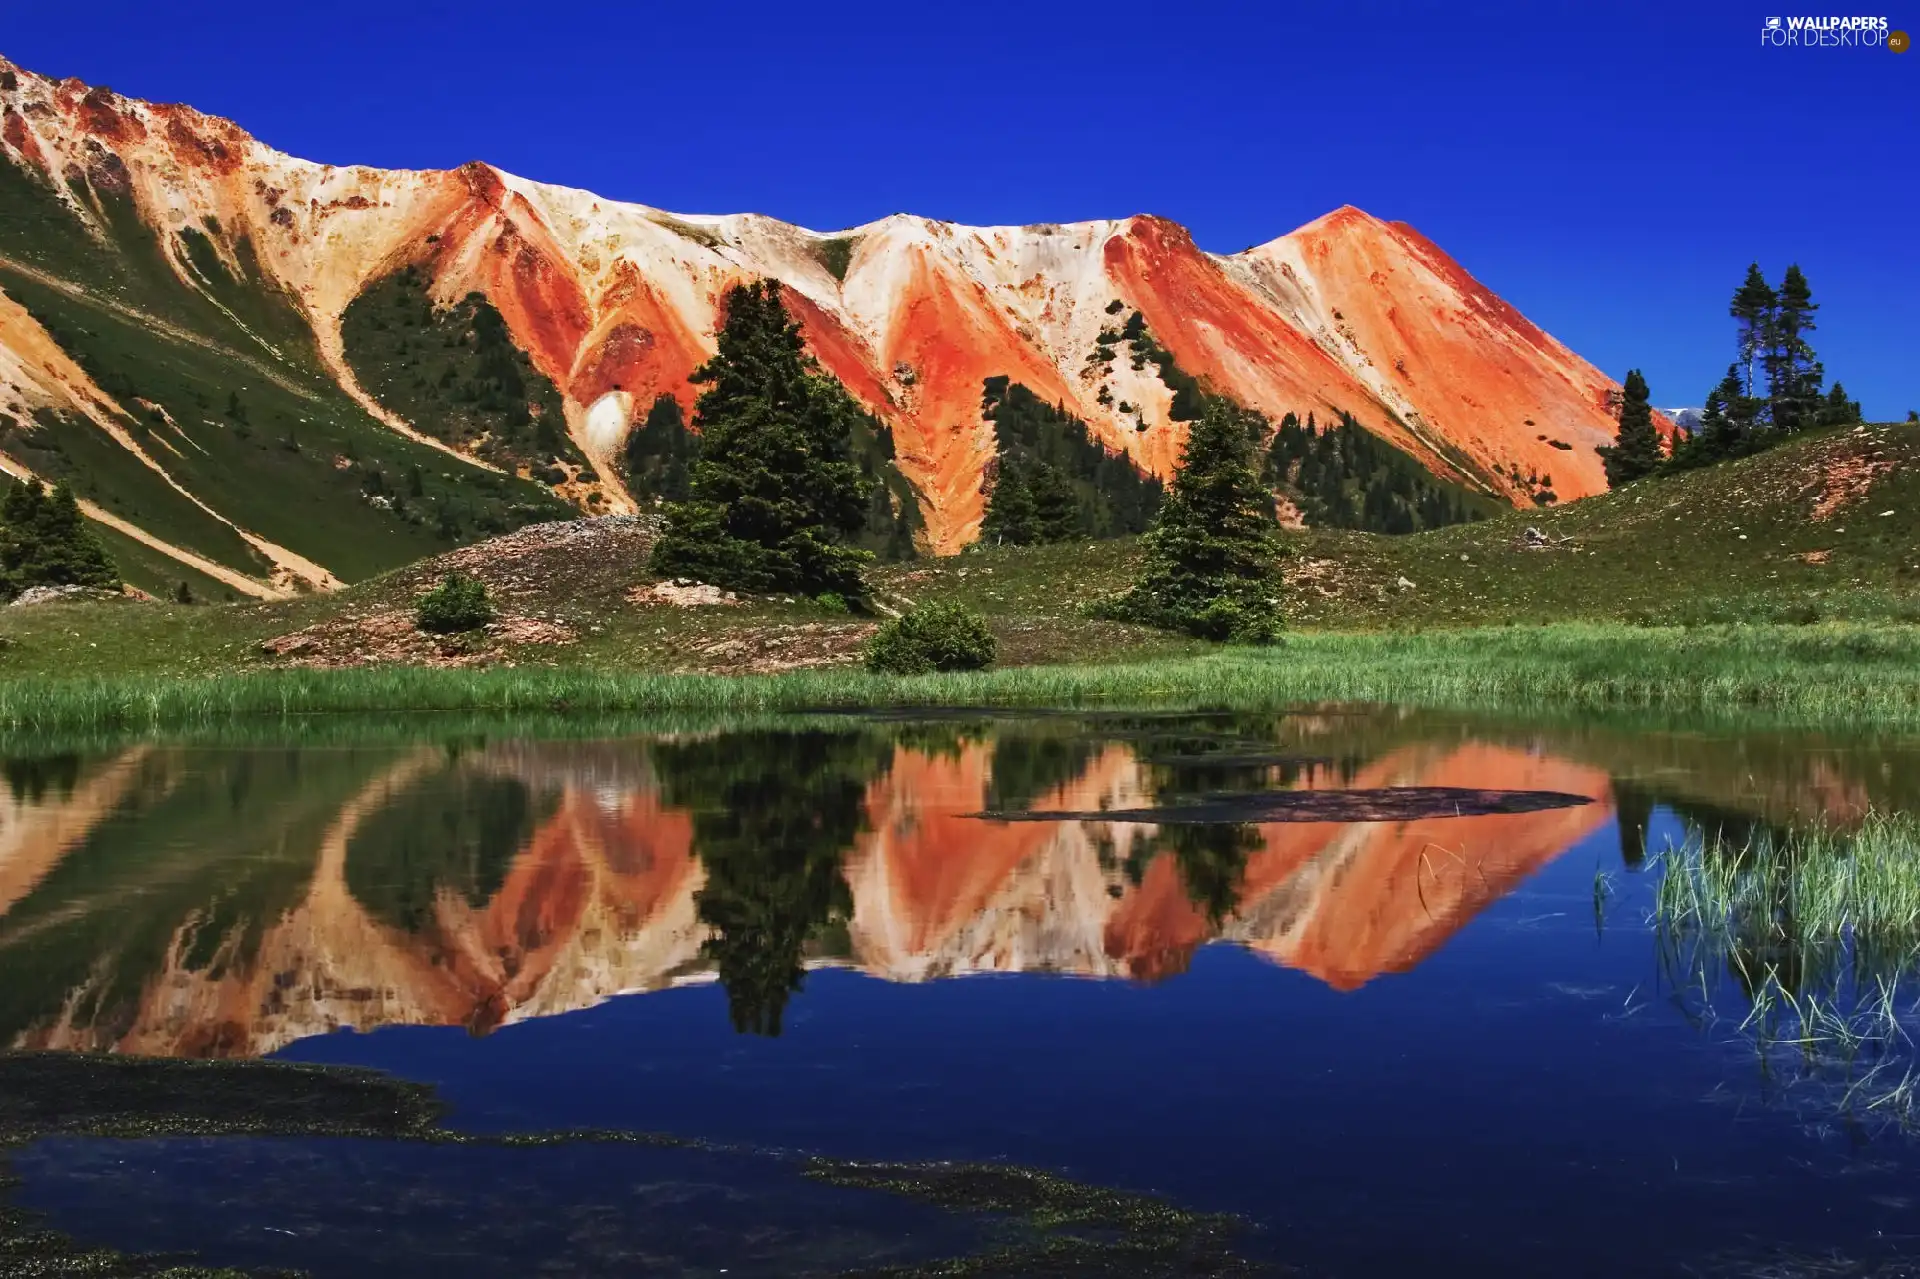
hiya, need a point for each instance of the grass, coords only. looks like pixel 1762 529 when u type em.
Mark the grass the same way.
pixel 1820 930
pixel 1858 675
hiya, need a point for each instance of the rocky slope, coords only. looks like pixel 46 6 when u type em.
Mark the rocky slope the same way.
pixel 616 303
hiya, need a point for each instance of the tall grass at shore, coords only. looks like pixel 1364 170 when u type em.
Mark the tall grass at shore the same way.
pixel 1820 929
pixel 1859 674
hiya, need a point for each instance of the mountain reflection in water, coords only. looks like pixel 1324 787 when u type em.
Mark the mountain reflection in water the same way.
pixel 229 902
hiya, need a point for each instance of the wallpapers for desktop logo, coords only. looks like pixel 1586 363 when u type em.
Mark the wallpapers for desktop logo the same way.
pixel 1832 31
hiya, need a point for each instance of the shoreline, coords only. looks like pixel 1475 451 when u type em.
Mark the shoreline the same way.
pixel 1861 675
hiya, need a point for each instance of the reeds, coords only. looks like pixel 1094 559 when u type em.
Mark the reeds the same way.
pixel 1820 930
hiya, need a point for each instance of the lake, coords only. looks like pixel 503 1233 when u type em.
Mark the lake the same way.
pixel 1345 991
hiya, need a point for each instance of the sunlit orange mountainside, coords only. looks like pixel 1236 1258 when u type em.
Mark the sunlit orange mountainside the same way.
pixel 616 303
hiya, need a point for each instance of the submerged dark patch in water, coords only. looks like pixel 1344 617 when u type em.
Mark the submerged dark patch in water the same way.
pixel 1227 760
pixel 1388 804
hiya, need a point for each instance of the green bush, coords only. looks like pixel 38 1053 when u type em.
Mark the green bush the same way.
pixel 459 603
pixel 933 637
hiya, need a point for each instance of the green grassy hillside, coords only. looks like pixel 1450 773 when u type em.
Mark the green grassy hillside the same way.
pixel 228 394
pixel 1823 530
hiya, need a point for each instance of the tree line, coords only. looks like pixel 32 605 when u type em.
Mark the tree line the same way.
pixel 1774 389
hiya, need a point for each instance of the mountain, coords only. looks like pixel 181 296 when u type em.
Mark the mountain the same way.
pixel 270 372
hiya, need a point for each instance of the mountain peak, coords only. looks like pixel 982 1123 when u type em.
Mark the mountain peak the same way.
pixel 616 303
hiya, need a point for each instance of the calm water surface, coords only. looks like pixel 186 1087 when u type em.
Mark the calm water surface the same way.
pixel 1381 984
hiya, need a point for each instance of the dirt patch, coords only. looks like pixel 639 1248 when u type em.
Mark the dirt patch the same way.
pixel 1319 576
pixel 767 650
pixel 1845 480
pixel 390 637
pixel 1814 557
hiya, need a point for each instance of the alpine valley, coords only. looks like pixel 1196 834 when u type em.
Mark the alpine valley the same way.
pixel 261 372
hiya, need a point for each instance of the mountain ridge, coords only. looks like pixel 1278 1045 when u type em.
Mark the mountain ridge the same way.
pixel 617 302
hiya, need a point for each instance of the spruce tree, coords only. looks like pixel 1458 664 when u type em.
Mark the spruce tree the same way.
pixel 1722 432
pixel 1010 519
pixel 1793 375
pixel 1837 409
pixel 1056 512
pixel 660 453
pixel 45 541
pixel 775 493
pixel 1212 556
pixel 1752 307
pixel 1635 453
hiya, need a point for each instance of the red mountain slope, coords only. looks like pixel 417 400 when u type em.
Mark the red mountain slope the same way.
pixel 617 302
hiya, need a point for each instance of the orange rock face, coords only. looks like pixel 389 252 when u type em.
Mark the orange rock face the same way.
pixel 1348 313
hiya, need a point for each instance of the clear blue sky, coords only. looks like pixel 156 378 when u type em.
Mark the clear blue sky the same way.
pixel 1609 168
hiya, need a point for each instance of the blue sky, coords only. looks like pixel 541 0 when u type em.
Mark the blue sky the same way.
pixel 1608 168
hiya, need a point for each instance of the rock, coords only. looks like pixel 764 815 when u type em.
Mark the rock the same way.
pixel 61 594
pixel 290 645
pixel 1533 536
pixel 681 594
pixel 903 373
pixel 1404 584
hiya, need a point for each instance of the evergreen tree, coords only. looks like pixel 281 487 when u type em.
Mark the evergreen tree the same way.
pixel 660 452
pixel 1080 487
pixel 1793 375
pixel 1010 519
pixel 1056 513
pixel 1212 556
pixel 1725 426
pixel 775 493
pixel 45 541
pixel 1837 409
pixel 1635 453
pixel 1752 308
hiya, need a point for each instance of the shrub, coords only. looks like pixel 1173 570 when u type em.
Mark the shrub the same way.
pixel 933 637
pixel 459 603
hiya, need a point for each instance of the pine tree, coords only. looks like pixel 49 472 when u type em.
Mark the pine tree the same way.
pixel 1721 433
pixel 1752 307
pixel 45 541
pixel 1010 518
pixel 1837 409
pixel 1793 375
pixel 660 452
pixel 1212 556
pixel 1056 512
pixel 775 493
pixel 1635 453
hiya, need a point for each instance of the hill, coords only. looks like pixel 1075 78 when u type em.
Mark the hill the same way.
pixel 246 357
pixel 1824 528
